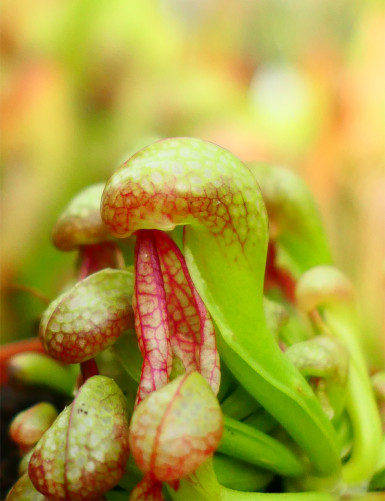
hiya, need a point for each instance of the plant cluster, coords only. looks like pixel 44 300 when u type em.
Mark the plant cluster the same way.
pixel 218 346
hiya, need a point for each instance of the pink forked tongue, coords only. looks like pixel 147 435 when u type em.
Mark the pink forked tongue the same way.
pixel 150 310
pixel 191 329
pixel 171 320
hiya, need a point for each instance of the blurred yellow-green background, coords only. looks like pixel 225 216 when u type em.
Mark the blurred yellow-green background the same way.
pixel 86 82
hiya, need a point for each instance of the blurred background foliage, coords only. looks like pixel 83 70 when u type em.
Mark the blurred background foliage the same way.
pixel 84 83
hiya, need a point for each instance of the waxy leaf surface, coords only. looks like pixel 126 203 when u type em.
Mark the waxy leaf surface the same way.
pixel 24 490
pixel 323 285
pixel 325 361
pixel 88 318
pixel 176 428
pixel 80 223
pixel 85 451
pixel 28 426
pixel 320 356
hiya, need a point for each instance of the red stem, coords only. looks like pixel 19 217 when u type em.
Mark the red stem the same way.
pixel 95 257
pixel 278 277
pixel 88 369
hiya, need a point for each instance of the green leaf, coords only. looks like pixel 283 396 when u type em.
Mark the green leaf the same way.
pixel 249 444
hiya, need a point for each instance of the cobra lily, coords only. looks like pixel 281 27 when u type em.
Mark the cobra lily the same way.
pixel 327 295
pixel 30 425
pixel 325 361
pixel 84 453
pixel 289 387
pixel 199 185
pixel 80 227
pixel 89 317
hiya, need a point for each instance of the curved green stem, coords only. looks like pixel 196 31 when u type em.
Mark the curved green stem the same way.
pixel 344 433
pixel 239 404
pixel 276 316
pixel 249 444
pixel 204 187
pixel 228 383
pixel 231 495
pixel 360 403
pixel 203 485
pixel 261 420
pixel 236 474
